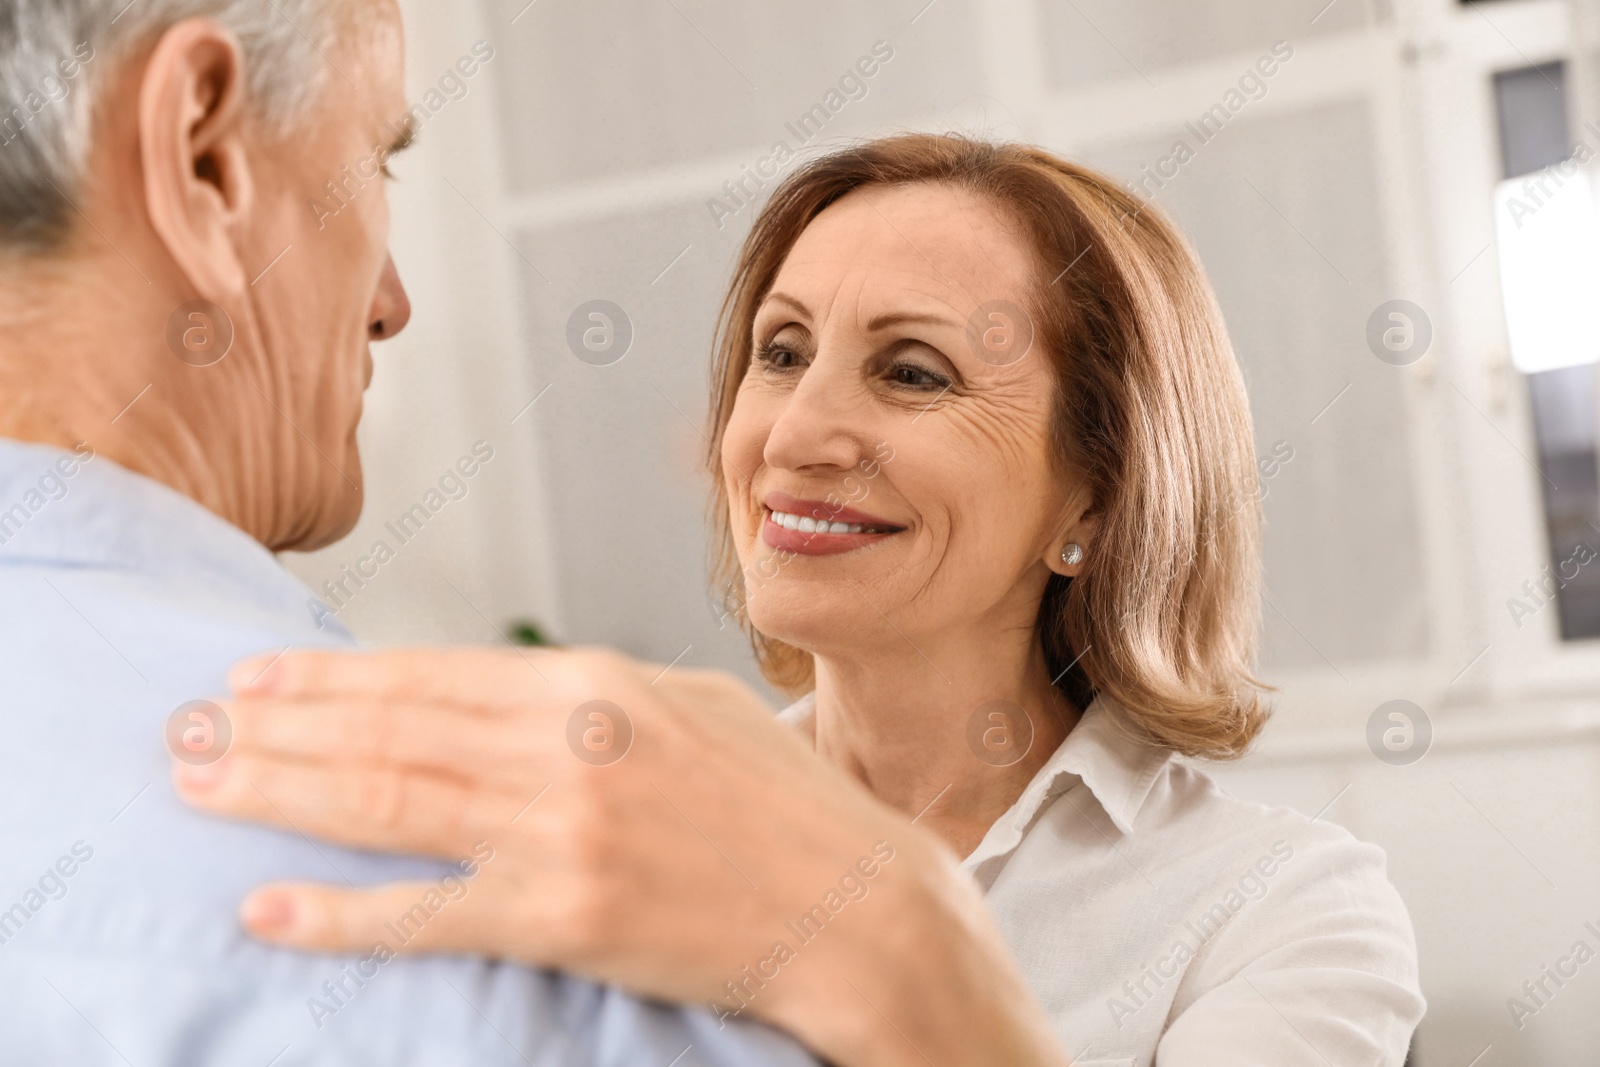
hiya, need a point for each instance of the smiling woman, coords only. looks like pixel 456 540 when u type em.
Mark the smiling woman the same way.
pixel 979 430
pixel 1129 402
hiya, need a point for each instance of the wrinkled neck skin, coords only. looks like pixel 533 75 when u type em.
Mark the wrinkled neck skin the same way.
pixel 895 714
pixel 85 361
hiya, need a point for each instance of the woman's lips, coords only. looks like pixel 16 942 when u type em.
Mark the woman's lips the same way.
pixel 817 528
pixel 821 509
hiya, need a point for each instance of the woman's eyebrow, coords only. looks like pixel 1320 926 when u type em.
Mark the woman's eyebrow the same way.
pixel 878 322
pixel 785 298
pixel 899 318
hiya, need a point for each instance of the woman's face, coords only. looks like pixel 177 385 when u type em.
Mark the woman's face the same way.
pixel 894 395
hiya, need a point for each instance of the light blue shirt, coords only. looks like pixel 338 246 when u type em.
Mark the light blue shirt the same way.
pixel 119 945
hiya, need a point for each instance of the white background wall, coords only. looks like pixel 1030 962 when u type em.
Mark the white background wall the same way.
pixel 579 165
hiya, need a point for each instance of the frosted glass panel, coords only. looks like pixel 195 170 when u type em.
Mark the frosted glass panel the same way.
pixel 1284 213
pixel 1089 40
pixel 605 86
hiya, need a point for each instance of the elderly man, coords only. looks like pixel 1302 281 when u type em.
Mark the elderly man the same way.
pixel 186 347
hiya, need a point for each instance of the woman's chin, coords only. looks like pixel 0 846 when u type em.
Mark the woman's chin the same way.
pixel 811 623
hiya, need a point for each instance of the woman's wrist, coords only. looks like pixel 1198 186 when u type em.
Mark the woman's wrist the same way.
pixel 921 975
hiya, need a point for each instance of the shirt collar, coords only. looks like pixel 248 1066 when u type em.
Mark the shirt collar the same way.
pixel 104 515
pixel 1116 767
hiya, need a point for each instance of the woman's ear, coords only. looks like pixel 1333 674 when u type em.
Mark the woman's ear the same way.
pixel 1075 538
pixel 192 126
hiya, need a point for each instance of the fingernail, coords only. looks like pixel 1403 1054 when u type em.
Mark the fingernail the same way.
pixel 267 913
pixel 201 777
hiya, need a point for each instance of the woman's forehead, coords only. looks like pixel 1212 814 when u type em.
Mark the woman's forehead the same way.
pixel 923 245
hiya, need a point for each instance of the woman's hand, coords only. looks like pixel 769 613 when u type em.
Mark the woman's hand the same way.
pixel 653 828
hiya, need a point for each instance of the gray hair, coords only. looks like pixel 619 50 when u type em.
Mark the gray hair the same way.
pixel 54 52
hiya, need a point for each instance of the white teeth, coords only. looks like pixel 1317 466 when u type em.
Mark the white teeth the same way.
pixel 807 524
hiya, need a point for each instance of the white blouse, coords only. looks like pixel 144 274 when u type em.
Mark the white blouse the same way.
pixel 1161 921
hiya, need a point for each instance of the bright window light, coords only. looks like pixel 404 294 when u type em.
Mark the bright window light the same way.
pixel 1549 237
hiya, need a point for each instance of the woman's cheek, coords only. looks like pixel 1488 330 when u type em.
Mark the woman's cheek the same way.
pixel 742 450
pixel 749 424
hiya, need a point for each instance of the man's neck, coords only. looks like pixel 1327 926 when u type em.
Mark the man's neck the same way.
pixel 85 363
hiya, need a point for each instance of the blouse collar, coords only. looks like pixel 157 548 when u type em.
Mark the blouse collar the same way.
pixel 1117 768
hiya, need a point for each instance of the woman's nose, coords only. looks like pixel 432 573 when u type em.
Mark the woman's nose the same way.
pixel 821 423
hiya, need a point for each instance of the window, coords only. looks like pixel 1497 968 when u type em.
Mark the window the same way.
pixel 1549 249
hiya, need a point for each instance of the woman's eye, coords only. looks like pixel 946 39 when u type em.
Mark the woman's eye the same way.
pixel 776 355
pixel 915 377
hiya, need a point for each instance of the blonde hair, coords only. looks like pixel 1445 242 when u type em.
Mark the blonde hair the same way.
pixel 1150 412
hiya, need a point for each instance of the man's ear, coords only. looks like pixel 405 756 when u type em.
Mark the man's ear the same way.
pixel 192 123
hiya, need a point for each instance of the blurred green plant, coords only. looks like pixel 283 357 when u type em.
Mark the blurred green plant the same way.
pixel 529 634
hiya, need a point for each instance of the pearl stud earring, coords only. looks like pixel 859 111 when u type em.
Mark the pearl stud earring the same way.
pixel 1072 555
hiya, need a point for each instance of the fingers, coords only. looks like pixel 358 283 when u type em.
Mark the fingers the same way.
pixel 359 731
pixel 362 807
pixel 458 675
pixel 402 918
